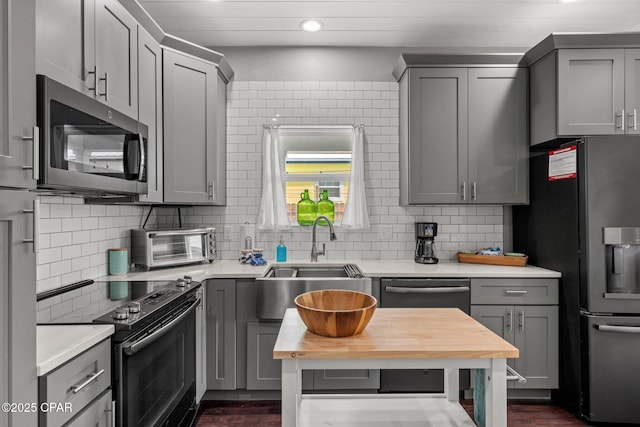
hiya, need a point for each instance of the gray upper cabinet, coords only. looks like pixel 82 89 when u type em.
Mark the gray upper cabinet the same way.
pixel 90 45
pixel 434 151
pixel 463 135
pixel 17 303
pixel 194 132
pixel 150 111
pixel 632 90
pixel 584 84
pixel 18 136
pixel 498 147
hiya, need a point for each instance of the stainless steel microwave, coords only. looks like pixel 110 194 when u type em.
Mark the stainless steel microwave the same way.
pixel 172 247
pixel 86 146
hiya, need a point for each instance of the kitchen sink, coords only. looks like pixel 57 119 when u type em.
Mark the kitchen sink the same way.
pixel 280 285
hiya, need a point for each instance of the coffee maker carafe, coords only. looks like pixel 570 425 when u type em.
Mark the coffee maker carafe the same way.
pixel 425 244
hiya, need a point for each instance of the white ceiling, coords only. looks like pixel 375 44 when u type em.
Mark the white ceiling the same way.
pixel 388 23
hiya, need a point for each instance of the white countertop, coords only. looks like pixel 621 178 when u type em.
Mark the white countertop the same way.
pixel 57 344
pixel 370 268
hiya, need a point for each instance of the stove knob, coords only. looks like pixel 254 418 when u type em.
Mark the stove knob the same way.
pixel 121 314
pixel 181 283
pixel 188 280
pixel 134 307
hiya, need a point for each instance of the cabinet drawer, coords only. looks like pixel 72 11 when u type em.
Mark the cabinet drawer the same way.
pixel 59 385
pixel 100 413
pixel 514 291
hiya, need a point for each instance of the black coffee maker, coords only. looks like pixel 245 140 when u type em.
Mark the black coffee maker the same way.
pixel 425 244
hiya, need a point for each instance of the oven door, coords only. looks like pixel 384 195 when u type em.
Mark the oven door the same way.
pixel 177 247
pixel 155 376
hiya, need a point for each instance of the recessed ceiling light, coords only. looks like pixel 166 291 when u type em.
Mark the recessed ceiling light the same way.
pixel 311 25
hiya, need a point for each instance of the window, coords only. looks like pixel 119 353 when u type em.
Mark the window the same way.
pixel 316 160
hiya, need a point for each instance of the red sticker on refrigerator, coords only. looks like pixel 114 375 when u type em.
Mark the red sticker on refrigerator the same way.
pixel 563 163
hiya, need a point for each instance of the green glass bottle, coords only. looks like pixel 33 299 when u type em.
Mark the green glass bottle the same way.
pixel 325 207
pixel 306 209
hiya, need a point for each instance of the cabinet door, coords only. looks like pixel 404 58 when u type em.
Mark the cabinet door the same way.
pixel 499 320
pixel 150 110
pixel 632 90
pixel 590 91
pixel 65 48
pixel 189 120
pixel 98 414
pixel 17 94
pixel 263 371
pixel 437 151
pixel 221 334
pixel 536 337
pixel 17 306
pixel 498 147
pixel 116 36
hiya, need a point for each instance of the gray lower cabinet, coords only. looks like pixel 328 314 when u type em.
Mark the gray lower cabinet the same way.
pixel 150 111
pixel 463 135
pixel 83 382
pixel 91 46
pixel 18 148
pixel 577 92
pixel 18 382
pixel 525 313
pixel 221 334
pixel 263 371
pixel 194 131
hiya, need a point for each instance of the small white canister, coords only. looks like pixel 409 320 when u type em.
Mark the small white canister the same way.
pixel 118 261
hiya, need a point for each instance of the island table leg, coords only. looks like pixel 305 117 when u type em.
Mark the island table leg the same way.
pixel 291 392
pixel 496 394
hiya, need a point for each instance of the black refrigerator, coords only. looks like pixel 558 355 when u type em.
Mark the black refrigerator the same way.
pixel 584 221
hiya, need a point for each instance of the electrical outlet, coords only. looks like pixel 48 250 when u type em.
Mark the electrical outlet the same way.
pixel 226 231
pixel 386 232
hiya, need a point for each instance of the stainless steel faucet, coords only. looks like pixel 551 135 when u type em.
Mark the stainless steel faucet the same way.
pixel 332 236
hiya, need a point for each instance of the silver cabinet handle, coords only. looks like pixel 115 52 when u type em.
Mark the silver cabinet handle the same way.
pixel 474 191
pixel 634 123
pixel 90 378
pixel 35 164
pixel 510 292
pixel 463 190
pixel 623 329
pixel 94 89
pixel 105 79
pixel 36 225
pixel 211 191
pixel 427 290
pixel 112 410
pixel 622 120
pixel 513 375
pixel 521 322
pixel 510 320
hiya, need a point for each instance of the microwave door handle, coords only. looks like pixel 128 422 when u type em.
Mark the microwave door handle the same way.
pixel 130 348
pixel 129 171
pixel 142 162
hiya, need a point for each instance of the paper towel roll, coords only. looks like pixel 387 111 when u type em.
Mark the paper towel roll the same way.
pixel 247 236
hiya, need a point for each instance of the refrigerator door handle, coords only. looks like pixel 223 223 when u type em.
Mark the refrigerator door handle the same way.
pixel 614 328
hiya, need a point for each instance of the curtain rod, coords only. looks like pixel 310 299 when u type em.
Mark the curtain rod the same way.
pixel 312 126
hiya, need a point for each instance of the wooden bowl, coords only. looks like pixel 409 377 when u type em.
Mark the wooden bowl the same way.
pixel 334 312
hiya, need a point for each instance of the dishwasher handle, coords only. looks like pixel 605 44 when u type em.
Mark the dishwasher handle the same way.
pixel 427 290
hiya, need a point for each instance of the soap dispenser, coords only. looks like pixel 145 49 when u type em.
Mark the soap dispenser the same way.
pixel 281 251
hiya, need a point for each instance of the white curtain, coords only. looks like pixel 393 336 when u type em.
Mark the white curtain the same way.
pixel 356 216
pixel 273 208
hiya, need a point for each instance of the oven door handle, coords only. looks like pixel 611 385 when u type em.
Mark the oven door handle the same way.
pixel 134 347
pixel 614 328
pixel 427 290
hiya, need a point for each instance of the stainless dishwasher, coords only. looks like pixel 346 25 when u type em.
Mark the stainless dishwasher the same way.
pixel 422 293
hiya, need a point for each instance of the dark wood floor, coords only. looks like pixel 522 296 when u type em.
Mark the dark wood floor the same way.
pixel 266 413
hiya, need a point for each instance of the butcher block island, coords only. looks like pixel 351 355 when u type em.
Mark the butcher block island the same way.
pixel 396 338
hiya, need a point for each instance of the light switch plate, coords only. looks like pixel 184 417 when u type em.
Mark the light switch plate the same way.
pixel 227 230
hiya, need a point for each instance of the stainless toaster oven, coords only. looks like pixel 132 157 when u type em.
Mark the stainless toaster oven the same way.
pixel 152 248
